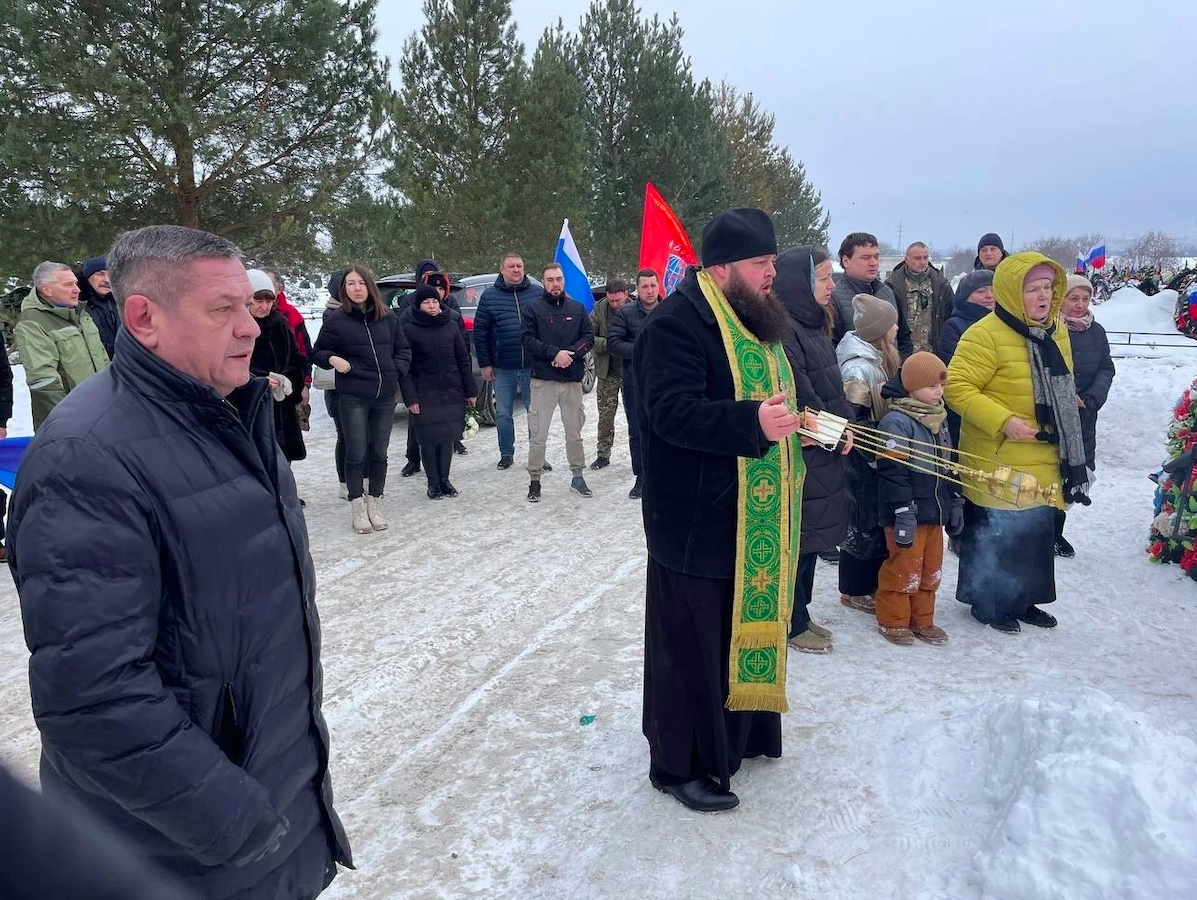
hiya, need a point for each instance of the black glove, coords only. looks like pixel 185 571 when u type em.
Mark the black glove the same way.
pixel 905 522
pixel 956 517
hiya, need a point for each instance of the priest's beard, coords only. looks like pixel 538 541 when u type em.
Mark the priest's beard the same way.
pixel 760 313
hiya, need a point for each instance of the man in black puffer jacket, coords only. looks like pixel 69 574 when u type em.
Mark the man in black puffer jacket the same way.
pixel 178 698
pixel 96 291
pixel 557 335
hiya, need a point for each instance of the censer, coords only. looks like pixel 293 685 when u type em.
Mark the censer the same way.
pixel 1019 489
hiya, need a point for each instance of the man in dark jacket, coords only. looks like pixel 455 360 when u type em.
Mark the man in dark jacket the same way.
pixel 608 369
pixel 179 701
pixel 95 290
pixel 625 327
pixel 860 256
pixel 699 420
pixel 990 252
pixel 926 294
pixel 557 335
pixel 500 350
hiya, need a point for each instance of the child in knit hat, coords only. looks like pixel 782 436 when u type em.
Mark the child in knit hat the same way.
pixel 915 505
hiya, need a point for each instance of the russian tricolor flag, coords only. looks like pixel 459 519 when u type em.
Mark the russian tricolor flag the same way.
pixel 1097 256
pixel 577 285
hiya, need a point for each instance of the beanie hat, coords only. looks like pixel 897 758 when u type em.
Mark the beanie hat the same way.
pixel 93 265
pixel 991 240
pixel 425 292
pixel 260 281
pixel 872 317
pixel 738 234
pixel 972 282
pixel 1043 270
pixel 1079 281
pixel 335 280
pixel 922 370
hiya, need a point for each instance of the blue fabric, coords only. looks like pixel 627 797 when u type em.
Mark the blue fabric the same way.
pixel 498 323
pixel 11 451
pixel 506 382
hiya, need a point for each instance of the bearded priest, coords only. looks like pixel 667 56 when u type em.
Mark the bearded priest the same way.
pixel 723 474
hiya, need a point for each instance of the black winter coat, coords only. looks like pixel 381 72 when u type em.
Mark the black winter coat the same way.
pixel 51 850
pixel 552 324
pixel 103 311
pixel 626 325
pixel 498 324
pixel 5 385
pixel 440 379
pixel 178 695
pixel 841 299
pixel 820 387
pixel 276 350
pixel 1093 370
pixel 899 485
pixel 692 429
pixel 376 349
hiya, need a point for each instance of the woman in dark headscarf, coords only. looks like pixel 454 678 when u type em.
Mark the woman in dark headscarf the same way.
pixel 803 284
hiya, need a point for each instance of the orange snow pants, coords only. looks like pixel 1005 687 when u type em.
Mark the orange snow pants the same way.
pixel 908 580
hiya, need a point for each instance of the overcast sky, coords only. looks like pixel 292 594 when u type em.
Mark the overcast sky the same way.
pixel 952 118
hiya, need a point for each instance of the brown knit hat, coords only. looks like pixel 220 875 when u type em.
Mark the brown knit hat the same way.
pixel 923 370
pixel 872 317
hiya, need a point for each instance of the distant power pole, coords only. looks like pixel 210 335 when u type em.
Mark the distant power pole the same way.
pixel 901 231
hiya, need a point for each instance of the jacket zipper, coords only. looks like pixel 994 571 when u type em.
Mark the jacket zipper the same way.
pixel 377 365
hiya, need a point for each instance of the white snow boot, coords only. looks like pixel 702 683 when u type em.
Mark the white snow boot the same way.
pixel 344 491
pixel 374 512
pixel 361 519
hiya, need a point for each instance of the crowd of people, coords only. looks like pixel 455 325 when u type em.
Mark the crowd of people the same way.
pixel 180 706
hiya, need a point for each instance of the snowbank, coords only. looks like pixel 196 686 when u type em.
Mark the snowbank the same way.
pixel 1142 325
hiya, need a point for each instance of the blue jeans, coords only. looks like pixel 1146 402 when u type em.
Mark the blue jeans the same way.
pixel 629 410
pixel 506 381
pixel 367 425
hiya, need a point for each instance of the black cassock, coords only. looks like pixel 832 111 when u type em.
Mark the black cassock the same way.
pixel 692 430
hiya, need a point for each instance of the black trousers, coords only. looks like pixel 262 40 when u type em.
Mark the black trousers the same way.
pixel 687 624
pixel 804 587
pixel 367 424
pixel 858 577
pixel 413 443
pixel 437 459
pixel 1007 560
pixel 333 405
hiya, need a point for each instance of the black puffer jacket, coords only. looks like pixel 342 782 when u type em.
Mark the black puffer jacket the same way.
pixel 498 322
pixel 964 314
pixel 817 376
pixel 276 350
pixel 1093 370
pixel 178 698
pixel 552 324
pixel 898 484
pixel 376 350
pixel 103 311
pixel 625 327
pixel 692 429
pixel 841 299
pixel 440 379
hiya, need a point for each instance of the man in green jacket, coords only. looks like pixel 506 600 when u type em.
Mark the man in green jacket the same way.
pixel 60 345
pixel 608 368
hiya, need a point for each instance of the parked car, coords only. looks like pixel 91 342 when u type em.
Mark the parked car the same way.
pixel 397 290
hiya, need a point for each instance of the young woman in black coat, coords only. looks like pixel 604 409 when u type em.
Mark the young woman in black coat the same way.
pixel 366 347
pixel 438 386
pixel 276 352
pixel 1093 371
pixel 803 284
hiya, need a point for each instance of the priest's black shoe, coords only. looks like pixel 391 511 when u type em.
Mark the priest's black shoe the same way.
pixel 700 794
pixel 1035 616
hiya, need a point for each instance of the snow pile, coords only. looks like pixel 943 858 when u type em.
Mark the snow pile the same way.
pixel 1129 310
pixel 1091 802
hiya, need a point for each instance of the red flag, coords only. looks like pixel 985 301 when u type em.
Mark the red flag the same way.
pixel 664 245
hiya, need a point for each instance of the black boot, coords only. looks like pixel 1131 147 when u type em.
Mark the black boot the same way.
pixel 637 490
pixel 444 459
pixel 410 469
pixel 1063 548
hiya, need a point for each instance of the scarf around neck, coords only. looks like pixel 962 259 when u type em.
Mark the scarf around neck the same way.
pixel 1080 324
pixel 768 522
pixel 1055 403
pixel 929 415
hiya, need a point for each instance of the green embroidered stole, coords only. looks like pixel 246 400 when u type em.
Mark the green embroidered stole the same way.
pixel 768 524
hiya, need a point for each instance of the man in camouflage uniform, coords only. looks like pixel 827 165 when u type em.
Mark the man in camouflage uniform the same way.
pixel 608 368
pixel 926 293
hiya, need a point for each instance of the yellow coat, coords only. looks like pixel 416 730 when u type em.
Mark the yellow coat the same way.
pixel 989 380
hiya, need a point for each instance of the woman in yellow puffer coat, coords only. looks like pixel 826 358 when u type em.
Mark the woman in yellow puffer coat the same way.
pixel 1010 381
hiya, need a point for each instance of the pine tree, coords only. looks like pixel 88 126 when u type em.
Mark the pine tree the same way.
pixel 548 155
pixel 461 77
pixel 764 175
pixel 244 117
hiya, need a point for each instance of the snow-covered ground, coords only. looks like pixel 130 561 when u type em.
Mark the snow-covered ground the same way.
pixel 464 646
pixel 1139 325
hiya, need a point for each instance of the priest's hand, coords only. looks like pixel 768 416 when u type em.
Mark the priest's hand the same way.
pixel 777 421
